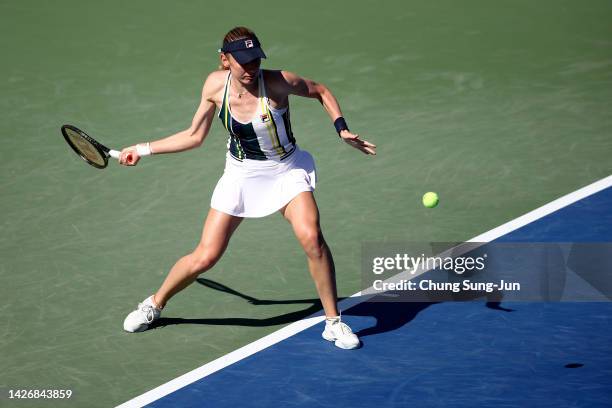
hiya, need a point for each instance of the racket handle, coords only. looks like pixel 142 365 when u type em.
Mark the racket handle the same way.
pixel 115 154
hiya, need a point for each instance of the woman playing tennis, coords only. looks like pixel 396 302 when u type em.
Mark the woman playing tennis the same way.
pixel 265 172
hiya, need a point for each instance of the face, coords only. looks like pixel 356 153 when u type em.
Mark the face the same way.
pixel 246 74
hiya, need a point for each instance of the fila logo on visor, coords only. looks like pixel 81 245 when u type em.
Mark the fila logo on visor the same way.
pixel 248 43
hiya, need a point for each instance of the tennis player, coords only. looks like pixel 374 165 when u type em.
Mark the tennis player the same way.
pixel 265 172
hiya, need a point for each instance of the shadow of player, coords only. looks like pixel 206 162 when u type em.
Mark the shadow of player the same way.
pixel 315 306
pixel 389 315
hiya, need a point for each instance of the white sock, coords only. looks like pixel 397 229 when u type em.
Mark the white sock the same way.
pixel 152 302
pixel 332 320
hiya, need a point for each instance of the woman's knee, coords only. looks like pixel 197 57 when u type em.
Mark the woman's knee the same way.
pixel 202 259
pixel 312 241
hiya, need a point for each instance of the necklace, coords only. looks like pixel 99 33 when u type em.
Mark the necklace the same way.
pixel 239 94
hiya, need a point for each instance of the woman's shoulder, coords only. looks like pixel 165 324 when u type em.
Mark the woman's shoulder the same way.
pixel 272 74
pixel 275 79
pixel 280 78
pixel 216 77
pixel 214 82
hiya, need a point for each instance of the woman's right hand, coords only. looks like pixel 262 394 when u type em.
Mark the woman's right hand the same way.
pixel 129 156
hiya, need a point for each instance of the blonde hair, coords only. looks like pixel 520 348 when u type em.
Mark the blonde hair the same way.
pixel 236 33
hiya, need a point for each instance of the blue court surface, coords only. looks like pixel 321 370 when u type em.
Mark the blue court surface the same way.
pixel 451 354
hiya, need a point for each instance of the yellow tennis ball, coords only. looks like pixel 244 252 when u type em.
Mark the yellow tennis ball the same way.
pixel 430 199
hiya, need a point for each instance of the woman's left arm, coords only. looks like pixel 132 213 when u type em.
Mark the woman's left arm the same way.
pixel 293 84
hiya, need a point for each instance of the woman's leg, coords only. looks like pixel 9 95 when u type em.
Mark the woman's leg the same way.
pixel 218 229
pixel 303 214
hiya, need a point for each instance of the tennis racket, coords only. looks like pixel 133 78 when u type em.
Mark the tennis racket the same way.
pixel 88 148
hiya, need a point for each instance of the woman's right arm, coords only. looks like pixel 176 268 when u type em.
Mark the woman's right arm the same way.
pixel 187 139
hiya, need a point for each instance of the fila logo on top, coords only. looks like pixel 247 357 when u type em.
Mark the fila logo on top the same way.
pixel 248 43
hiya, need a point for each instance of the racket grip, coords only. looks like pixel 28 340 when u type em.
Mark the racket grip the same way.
pixel 114 154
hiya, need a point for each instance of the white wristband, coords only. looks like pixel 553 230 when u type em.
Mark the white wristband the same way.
pixel 144 149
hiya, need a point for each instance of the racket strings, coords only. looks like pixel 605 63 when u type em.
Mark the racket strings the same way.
pixel 85 148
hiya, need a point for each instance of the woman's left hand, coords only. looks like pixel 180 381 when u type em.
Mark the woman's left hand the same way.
pixel 354 140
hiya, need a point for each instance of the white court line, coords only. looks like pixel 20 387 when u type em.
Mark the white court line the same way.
pixel 355 299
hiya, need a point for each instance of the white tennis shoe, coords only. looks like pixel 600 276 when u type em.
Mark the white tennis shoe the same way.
pixel 340 334
pixel 140 319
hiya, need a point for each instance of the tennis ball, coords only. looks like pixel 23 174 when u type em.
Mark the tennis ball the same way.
pixel 430 199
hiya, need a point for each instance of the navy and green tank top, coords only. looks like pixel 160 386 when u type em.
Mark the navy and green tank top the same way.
pixel 267 136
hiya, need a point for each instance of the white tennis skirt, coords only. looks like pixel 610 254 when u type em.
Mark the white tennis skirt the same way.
pixel 256 188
